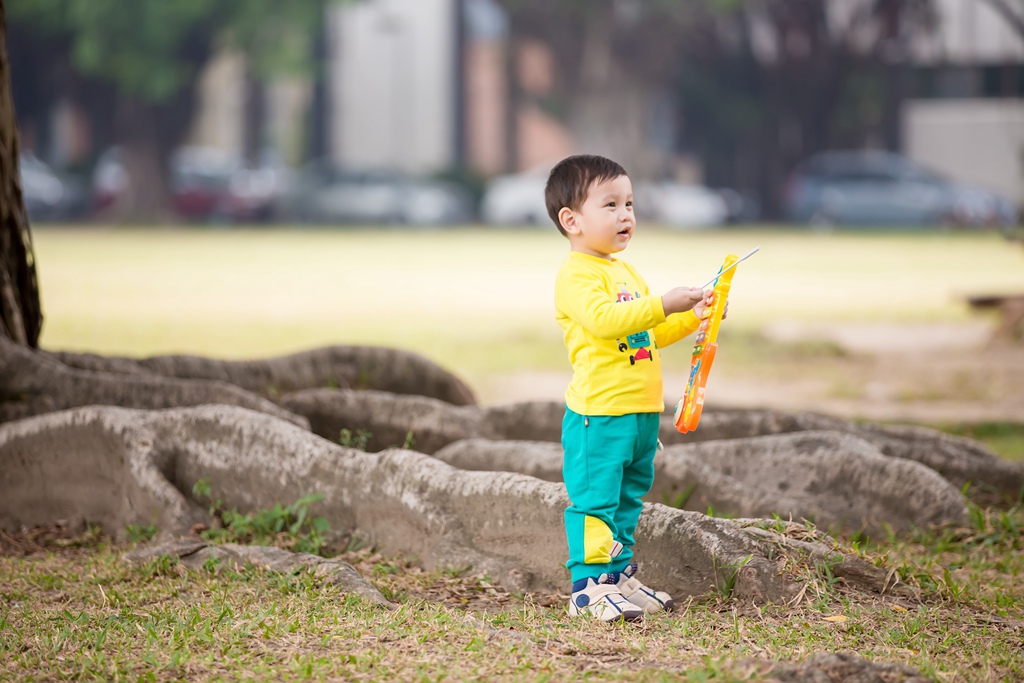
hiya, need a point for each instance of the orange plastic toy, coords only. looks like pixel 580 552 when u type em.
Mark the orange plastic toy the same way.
pixel 690 406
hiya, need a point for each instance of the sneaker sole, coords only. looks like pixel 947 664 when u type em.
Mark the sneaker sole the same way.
pixel 625 615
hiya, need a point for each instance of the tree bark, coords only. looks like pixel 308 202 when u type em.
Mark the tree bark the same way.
pixel 20 311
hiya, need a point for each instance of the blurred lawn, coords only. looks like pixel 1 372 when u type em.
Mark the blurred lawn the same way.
pixel 478 301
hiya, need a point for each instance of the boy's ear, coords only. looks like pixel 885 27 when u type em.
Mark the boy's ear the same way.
pixel 567 219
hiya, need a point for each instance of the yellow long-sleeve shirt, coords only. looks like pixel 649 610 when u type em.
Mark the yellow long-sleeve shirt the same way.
pixel 613 329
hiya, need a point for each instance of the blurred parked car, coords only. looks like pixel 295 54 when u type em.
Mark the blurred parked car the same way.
pixel 884 188
pixel 48 195
pixel 516 199
pixel 325 193
pixel 679 205
pixel 109 178
pixel 207 184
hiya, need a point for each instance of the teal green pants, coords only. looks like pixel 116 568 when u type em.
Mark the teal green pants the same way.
pixel 608 466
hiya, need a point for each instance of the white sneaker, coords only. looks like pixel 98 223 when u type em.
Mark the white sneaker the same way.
pixel 601 598
pixel 645 598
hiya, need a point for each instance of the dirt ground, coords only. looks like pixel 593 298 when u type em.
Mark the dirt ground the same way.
pixel 924 373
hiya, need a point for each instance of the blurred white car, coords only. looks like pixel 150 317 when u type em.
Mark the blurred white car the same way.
pixel 678 205
pixel 516 199
pixel 519 200
pixel 328 194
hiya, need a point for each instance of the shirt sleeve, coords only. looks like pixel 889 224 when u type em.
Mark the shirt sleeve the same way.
pixel 677 326
pixel 585 299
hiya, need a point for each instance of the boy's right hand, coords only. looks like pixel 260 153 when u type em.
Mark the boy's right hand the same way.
pixel 681 299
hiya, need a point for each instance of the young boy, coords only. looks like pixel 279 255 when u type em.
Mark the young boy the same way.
pixel 613 329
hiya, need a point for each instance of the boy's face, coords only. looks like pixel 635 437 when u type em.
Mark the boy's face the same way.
pixel 604 223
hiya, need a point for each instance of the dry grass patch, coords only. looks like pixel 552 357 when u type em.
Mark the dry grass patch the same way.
pixel 73 609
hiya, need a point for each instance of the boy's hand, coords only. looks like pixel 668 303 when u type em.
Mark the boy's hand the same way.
pixel 681 299
pixel 702 307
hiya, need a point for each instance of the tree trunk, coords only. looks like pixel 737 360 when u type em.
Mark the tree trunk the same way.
pixel 617 127
pixel 255 116
pixel 20 311
pixel 149 132
pixel 146 197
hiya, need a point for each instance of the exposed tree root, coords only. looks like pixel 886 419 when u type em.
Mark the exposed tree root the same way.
pixel 358 367
pixel 195 553
pixel 839 481
pixel 116 467
pixel 433 424
pixel 32 383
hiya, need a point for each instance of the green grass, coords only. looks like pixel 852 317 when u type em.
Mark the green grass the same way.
pixel 477 300
pixel 76 610
pixel 1003 438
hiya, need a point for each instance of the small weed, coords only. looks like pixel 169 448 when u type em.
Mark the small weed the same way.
pixel 354 544
pixel 457 572
pixel 164 565
pixel 289 526
pixel 679 500
pixel 712 512
pixel 727 583
pixel 141 533
pixel 358 441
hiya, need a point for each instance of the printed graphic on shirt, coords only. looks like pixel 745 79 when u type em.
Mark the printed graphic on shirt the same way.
pixel 641 341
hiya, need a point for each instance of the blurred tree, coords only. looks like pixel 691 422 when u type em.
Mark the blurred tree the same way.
pixel 616 61
pixel 148 54
pixel 783 79
pixel 756 86
pixel 21 317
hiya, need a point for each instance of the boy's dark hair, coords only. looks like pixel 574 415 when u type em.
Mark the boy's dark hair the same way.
pixel 570 180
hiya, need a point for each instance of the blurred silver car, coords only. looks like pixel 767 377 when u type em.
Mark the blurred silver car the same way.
pixel 516 199
pixel 886 189
pixel 679 205
pixel 324 193
pixel 48 195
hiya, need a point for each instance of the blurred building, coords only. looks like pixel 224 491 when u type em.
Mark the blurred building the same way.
pixel 224 97
pixel 424 86
pixel 394 84
pixel 966 116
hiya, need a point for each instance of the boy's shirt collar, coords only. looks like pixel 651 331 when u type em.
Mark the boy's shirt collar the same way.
pixel 590 257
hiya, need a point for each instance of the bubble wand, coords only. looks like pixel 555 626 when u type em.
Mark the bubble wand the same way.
pixel 691 405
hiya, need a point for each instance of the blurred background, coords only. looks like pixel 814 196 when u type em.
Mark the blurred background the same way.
pixel 902 113
pixel 249 178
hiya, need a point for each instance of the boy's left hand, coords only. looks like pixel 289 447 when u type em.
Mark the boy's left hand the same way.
pixel 702 308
